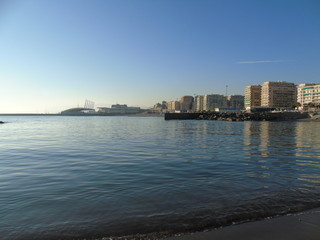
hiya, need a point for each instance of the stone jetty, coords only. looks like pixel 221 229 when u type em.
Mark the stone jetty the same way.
pixel 237 116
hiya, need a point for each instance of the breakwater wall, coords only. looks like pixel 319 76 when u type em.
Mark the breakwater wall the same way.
pixel 241 116
pixel 181 116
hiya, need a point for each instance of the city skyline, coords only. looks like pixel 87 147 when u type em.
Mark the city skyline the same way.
pixel 56 54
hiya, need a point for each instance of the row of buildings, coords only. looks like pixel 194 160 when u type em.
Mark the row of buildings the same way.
pixel 207 102
pixel 282 94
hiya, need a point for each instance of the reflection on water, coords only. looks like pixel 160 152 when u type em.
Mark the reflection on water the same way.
pixel 270 138
pixel 285 145
pixel 275 138
pixel 91 177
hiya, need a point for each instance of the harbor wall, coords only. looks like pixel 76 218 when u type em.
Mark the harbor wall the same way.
pixel 231 116
pixel 181 116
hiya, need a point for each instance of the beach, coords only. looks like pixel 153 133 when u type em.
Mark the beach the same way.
pixel 299 226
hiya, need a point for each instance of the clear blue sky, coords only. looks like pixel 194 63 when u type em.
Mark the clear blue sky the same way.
pixel 55 54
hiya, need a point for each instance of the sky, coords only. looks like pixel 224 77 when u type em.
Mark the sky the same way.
pixel 56 54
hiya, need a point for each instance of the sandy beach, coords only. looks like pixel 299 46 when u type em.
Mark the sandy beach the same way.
pixel 300 226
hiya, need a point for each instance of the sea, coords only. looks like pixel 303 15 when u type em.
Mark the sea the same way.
pixel 94 177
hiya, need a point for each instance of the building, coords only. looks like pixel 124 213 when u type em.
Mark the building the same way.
pixel 119 109
pixel 173 106
pixel 301 92
pixel 198 103
pixel 78 111
pixel 213 101
pixel 160 107
pixel 279 94
pixel 186 103
pixel 235 101
pixel 88 109
pixel 252 96
pixel 308 94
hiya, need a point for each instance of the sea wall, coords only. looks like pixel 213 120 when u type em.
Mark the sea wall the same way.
pixel 230 116
pixel 181 116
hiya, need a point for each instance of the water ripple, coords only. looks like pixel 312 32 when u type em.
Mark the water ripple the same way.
pixel 85 177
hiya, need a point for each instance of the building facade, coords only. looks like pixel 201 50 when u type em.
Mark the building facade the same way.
pixel 278 94
pixel 213 101
pixel 186 103
pixel 119 109
pixel 308 93
pixel 252 96
pixel 173 106
pixel 198 103
pixel 235 101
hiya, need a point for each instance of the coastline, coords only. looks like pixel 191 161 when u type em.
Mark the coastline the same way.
pixel 238 116
pixel 299 226
pixel 83 115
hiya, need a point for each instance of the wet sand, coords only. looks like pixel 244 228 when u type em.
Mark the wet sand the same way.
pixel 300 226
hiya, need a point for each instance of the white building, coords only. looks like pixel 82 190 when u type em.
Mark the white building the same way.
pixel 198 103
pixel 308 93
pixel 173 106
pixel 119 109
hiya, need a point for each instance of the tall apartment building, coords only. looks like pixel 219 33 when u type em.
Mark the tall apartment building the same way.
pixel 235 101
pixel 198 103
pixel 300 92
pixel 278 94
pixel 252 96
pixel 308 93
pixel 186 103
pixel 173 106
pixel 212 101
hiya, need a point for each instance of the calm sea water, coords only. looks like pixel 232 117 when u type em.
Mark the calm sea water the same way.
pixel 93 177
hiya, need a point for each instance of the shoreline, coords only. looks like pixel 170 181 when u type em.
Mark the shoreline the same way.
pixel 62 115
pixel 298 226
pixel 238 116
